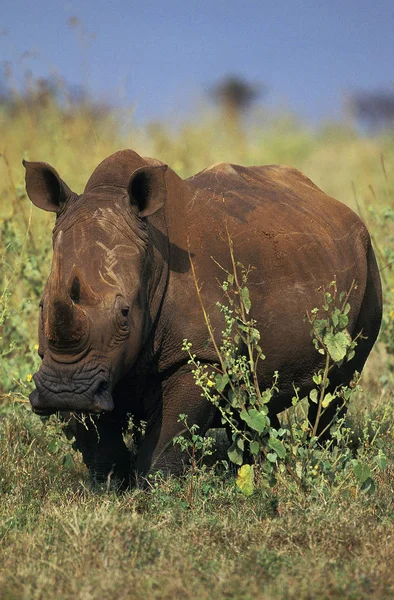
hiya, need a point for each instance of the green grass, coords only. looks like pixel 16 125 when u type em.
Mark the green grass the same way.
pixel 59 538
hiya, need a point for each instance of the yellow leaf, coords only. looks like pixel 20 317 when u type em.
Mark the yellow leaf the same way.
pixel 245 480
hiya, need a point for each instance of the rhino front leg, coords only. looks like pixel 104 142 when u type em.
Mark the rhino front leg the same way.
pixel 103 449
pixel 179 395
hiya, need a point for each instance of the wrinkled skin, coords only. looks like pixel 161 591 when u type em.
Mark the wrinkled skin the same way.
pixel 121 297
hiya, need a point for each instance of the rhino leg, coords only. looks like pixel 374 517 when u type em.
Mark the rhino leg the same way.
pixel 179 395
pixel 103 449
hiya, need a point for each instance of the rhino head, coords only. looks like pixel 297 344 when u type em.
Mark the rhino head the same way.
pixel 95 311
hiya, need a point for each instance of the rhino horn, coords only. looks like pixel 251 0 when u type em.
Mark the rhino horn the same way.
pixel 67 324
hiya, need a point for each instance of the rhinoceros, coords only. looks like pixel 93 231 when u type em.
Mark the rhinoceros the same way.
pixel 121 296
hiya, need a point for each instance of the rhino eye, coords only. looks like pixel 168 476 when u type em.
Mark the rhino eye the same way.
pixel 121 313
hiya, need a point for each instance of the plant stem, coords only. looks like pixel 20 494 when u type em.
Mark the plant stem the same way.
pixel 244 316
pixel 322 394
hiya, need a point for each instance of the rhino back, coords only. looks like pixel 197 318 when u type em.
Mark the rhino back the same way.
pixel 295 236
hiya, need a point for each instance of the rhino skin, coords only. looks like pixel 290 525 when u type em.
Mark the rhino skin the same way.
pixel 120 297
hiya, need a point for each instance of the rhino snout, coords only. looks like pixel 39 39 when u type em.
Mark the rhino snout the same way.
pixel 47 399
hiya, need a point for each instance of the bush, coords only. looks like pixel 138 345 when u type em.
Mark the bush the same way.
pixel 295 453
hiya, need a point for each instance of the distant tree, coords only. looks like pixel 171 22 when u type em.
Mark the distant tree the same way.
pixel 235 96
pixel 373 110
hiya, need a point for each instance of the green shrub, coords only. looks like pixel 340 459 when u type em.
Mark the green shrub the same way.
pixel 295 453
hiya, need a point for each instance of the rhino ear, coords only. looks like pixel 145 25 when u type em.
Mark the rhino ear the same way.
pixel 44 186
pixel 147 189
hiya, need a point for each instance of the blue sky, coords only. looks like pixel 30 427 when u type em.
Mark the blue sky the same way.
pixel 161 56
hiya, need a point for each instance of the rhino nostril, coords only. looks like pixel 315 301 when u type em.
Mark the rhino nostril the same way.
pixel 101 388
pixel 102 397
pixel 34 398
pixel 35 402
pixel 75 292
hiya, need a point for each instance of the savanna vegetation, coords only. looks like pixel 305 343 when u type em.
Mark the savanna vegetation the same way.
pixel 307 521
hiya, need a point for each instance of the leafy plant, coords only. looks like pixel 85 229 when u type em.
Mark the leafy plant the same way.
pixel 196 448
pixel 331 339
pixel 21 283
pixel 295 453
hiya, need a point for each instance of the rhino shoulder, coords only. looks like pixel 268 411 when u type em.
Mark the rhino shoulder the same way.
pixel 280 175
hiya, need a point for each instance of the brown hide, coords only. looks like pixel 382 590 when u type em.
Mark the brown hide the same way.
pixel 295 236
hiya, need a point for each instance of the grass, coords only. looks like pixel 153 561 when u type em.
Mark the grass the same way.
pixel 59 538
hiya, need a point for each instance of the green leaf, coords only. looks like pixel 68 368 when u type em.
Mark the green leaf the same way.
pixel 343 321
pixel 335 316
pixel 240 443
pixel 53 446
pixel 265 398
pixel 235 454
pixel 299 469
pixel 328 398
pixel 328 297
pixel 337 344
pixel 230 278
pixel 277 446
pixel 382 461
pixel 317 378
pixel 254 334
pixel 350 355
pixel 236 399
pixel 245 299
pixel 254 448
pixel 272 457
pixel 368 485
pixel 319 326
pixel 255 419
pixel 68 461
pixel 362 472
pixel 313 396
pixel 241 325
pixel 221 381
pixel 245 480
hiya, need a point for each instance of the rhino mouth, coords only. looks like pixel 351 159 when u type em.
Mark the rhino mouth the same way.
pixel 96 399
